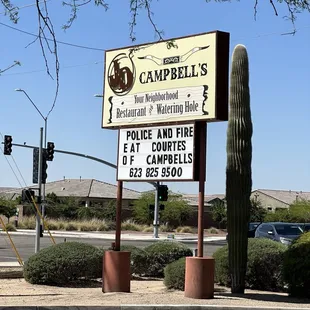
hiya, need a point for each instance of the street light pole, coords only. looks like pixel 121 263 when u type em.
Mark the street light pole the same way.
pixel 45 142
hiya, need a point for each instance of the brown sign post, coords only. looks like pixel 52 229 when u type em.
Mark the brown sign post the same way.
pixel 172 89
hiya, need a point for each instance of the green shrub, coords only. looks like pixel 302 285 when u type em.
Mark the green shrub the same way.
pixel 162 253
pixel 221 275
pixel 296 267
pixel 175 275
pixel 264 268
pixel 10 227
pixel 63 263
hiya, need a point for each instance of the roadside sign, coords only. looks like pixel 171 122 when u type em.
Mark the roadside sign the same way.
pixel 156 153
pixel 157 83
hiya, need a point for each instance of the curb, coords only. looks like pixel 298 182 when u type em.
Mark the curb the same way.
pixel 148 307
pixel 112 238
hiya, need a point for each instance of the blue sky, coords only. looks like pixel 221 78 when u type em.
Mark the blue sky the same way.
pixel 279 82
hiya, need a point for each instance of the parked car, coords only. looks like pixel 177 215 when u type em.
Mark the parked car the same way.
pixel 305 226
pixel 251 231
pixel 278 231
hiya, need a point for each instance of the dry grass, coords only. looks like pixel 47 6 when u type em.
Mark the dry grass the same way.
pixel 132 226
pixel 99 225
pixel 185 229
pixel 213 231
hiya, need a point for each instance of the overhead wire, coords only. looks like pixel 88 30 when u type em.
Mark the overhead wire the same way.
pixel 103 50
pixel 48 39
pixel 44 70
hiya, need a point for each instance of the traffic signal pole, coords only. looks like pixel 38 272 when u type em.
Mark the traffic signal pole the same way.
pixel 38 220
pixel 156 211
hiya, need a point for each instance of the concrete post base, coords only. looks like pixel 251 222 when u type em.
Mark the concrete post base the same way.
pixel 116 273
pixel 199 277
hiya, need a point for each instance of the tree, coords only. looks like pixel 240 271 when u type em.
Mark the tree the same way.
pixel 176 211
pixel 7 208
pixel 257 212
pixel 219 213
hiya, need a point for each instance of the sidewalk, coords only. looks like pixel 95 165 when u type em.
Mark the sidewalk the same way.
pixel 133 236
pixel 149 295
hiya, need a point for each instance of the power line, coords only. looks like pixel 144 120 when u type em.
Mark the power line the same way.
pixel 44 70
pixel 103 50
pixel 60 42
pixel 26 6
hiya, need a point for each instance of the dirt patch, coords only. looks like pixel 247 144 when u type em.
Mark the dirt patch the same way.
pixel 17 292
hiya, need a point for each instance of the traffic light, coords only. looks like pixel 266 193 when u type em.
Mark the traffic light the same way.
pixel 27 195
pixel 35 166
pixel 163 192
pixel 161 207
pixel 7 145
pixel 50 151
pixel 44 169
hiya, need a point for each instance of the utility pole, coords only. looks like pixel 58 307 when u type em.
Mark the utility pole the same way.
pixel 38 220
pixel 156 211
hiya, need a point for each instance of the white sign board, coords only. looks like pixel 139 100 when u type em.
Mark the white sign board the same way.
pixel 183 80
pixel 156 153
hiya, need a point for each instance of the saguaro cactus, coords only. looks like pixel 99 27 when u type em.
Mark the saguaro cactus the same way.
pixel 238 170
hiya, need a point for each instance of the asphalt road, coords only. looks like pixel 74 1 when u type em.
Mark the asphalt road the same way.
pixel 25 245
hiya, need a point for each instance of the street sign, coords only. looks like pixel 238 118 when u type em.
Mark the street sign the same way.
pixel 161 82
pixel 156 153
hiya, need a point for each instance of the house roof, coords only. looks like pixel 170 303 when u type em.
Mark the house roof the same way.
pixel 285 196
pixel 208 198
pixel 84 188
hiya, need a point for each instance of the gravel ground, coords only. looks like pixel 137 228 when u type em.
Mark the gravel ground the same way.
pixel 17 292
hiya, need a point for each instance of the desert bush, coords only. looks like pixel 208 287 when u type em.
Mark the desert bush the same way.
pixel 70 226
pixel 185 229
pixel 103 226
pixel 132 226
pixel 88 226
pixel 63 263
pixel 264 268
pixel 213 231
pixel 147 228
pixel 165 228
pixel 162 253
pixel 296 267
pixel 52 225
pixel 175 274
pixel 27 222
pixel 10 227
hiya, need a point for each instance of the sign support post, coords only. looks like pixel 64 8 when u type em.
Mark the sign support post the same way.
pixel 116 263
pixel 119 199
pixel 202 178
pixel 156 211
pixel 199 270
